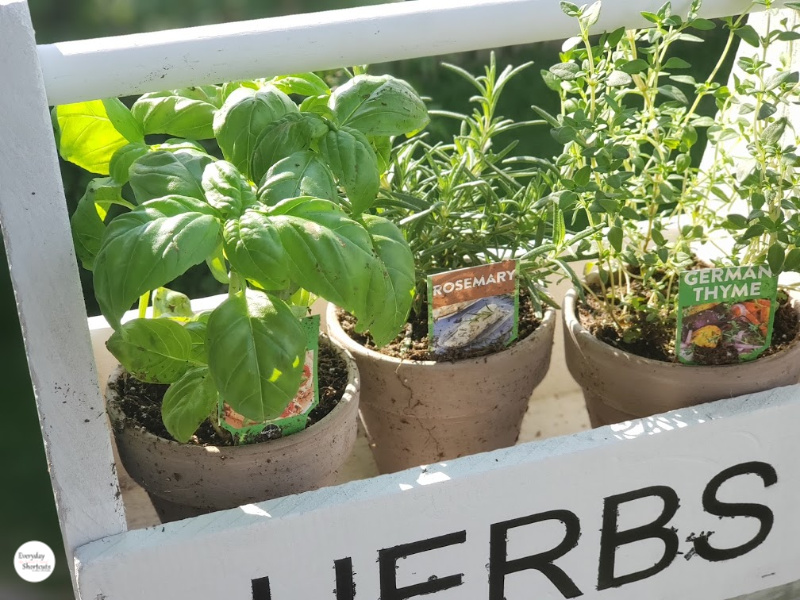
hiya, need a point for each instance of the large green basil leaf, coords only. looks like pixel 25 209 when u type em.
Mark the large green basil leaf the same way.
pixel 303 84
pixel 301 174
pixel 148 247
pixel 306 241
pixel 255 354
pixel 354 163
pixel 392 290
pixel 188 402
pixel 121 162
pixel 242 118
pixel 255 250
pixel 187 113
pixel 164 173
pixel 312 243
pixel 87 221
pixel 123 121
pixel 379 106
pixel 289 134
pixel 369 272
pixel 88 137
pixel 226 188
pixel 152 350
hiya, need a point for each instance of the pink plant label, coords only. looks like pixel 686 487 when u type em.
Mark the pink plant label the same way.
pixel 725 315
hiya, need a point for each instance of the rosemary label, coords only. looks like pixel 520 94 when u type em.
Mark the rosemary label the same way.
pixel 295 417
pixel 473 308
pixel 725 315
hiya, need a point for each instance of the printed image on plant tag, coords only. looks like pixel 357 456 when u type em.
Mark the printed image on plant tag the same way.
pixel 474 307
pixel 295 417
pixel 725 315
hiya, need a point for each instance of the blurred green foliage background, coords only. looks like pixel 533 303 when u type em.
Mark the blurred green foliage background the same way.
pixel 27 510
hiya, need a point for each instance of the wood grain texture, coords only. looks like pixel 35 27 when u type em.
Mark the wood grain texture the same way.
pixel 33 216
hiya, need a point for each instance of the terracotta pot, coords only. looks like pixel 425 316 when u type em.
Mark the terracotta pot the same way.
pixel 619 386
pixel 421 412
pixel 185 479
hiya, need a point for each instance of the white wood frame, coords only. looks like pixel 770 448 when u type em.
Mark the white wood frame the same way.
pixel 295 540
pixel 39 247
pixel 134 64
pixel 33 215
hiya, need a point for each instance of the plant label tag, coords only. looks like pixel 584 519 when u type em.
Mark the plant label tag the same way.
pixel 725 315
pixel 473 308
pixel 295 417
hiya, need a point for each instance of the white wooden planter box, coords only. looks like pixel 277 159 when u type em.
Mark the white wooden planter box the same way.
pixel 699 504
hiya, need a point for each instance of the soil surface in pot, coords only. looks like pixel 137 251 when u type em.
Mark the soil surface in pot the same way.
pixel 141 402
pixel 412 342
pixel 657 338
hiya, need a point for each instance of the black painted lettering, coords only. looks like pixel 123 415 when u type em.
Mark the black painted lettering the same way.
pixel 500 566
pixel 260 588
pixel 387 563
pixel 611 538
pixel 345 584
pixel 718 508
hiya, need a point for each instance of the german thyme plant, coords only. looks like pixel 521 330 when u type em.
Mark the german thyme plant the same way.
pixel 628 121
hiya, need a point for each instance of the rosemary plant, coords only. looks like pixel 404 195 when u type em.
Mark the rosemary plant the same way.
pixel 469 202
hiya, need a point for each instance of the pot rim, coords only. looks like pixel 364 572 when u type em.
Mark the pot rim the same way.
pixel 350 396
pixel 340 335
pixel 582 337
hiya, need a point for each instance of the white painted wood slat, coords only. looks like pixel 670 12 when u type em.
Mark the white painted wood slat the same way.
pixel 296 540
pixel 33 216
pixel 119 66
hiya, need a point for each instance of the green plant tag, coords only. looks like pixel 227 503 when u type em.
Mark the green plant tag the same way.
pixel 725 315
pixel 473 308
pixel 295 417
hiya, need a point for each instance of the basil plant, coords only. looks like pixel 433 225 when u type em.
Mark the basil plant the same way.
pixel 274 196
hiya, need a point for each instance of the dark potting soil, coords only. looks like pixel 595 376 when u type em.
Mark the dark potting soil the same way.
pixel 141 402
pixel 412 342
pixel 656 339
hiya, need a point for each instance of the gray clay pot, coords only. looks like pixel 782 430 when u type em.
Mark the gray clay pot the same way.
pixel 619 386
pixel 185 480
pixel 422 412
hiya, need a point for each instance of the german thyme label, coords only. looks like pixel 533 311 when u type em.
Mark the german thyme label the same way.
pixel 295 417
pixel 473 308
pixel 725 315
